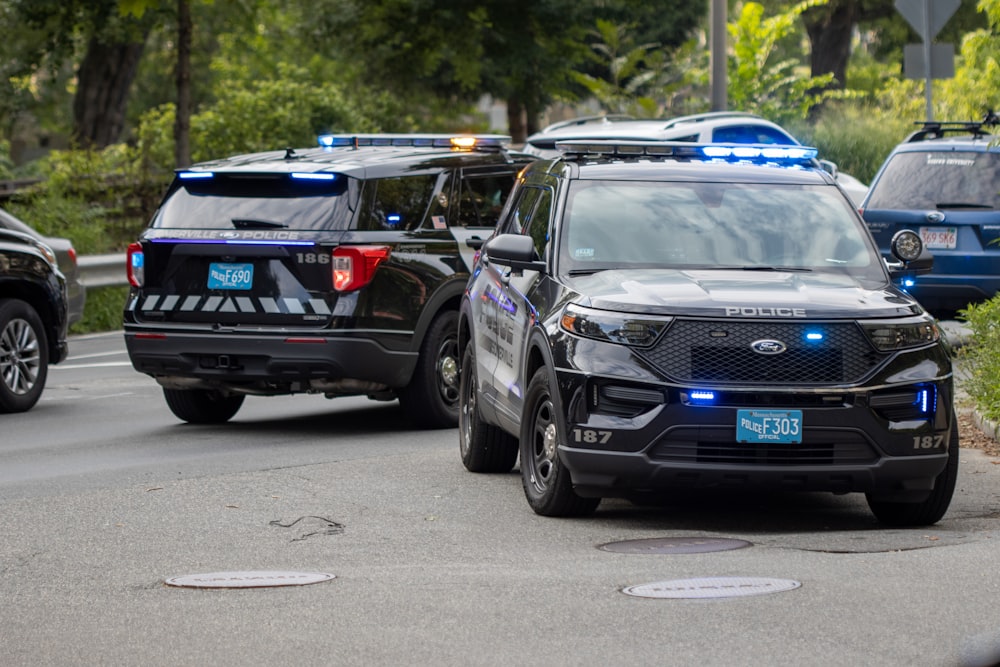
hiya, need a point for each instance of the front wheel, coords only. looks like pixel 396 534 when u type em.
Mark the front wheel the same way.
pixel 546 481
pixel 431 398
pixel 484 447
pixel 203 406
pixel 24 356
pixel 931 509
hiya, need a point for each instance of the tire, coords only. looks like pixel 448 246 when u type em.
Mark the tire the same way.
pixel 547 483
pixel 24 356
pixel 931 509
pixel 431 398
pixel 203 406
pixel 484 447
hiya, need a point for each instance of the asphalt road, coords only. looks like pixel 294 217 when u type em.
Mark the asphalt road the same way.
pixel 105 496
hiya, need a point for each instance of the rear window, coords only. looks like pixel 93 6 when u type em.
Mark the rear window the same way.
pixel 938 180
pixel 262 201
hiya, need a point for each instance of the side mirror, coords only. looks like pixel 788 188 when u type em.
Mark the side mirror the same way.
pixel 829 167
pixel 514 250
pixel 908 248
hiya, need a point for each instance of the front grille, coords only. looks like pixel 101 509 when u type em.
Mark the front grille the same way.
pixel 701 351
pixel 822 448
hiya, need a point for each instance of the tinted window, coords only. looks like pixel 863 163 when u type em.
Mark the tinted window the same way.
pixel 751 134
pixel 396 203
pixel 481 198
pixel 711 225
pixel 256 201
pixel 938 179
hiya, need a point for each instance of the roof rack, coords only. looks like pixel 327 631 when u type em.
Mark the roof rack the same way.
pixel 707 116
pixel 493 142
pixel 765 154
pixel 583 120
pixel 931 129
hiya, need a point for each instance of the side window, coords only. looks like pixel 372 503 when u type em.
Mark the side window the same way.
pixel 481 198
pixel 520 214
pixel 538 224
pixel 750 134
pixel 397 203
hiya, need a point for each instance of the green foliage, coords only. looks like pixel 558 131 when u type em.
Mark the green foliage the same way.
pixel 632 69
pixel 983 356
pixel 780 91
pixel 857 137
pixel 103 311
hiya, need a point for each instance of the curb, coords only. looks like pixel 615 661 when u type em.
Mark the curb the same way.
pixel 987 426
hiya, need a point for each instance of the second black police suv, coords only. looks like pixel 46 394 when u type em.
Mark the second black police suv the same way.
pixel 657 316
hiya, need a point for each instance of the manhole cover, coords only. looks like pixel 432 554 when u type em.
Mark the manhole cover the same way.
pixel 715 587
pixel 262 579
pixel 675 545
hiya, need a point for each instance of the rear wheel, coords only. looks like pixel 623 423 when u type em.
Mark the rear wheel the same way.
pixel 547 483
pixel 484 447
pixel 203 406
pixel 24 356
pixel 931 509
pixel 431 398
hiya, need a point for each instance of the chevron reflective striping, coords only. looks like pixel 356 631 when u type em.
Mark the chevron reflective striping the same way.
pixel 233 304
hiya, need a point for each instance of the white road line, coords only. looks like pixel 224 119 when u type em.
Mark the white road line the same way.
pixel 107 364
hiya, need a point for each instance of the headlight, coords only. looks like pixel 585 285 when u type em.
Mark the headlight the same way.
pixel 624 328
pixel 46 252
pixel 889 336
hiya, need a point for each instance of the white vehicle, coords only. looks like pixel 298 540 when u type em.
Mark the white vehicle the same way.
pixel 704 128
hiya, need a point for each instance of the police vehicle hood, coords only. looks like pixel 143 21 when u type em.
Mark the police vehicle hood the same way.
pixel 741 293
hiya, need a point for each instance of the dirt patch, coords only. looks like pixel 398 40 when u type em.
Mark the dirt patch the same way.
pixel 972 437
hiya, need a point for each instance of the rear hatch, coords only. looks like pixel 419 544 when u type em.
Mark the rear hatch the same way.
pixel 248 249
pixel 951 198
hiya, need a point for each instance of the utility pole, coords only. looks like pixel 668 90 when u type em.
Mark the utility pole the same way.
pixel 717 53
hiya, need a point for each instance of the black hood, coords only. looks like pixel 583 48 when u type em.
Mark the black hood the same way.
pixel 739 293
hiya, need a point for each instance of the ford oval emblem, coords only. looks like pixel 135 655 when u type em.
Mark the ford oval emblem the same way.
pixel 768 346
pixel 229 235
pixel 935 216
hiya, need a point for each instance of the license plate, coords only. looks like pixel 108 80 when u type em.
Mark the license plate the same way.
pixel 757 426
pixel 939 237
pixel 224 275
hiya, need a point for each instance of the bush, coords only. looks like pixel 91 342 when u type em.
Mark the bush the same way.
pixel 103 311
pixel 983 356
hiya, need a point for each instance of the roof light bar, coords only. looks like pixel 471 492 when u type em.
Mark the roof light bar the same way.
pixel 458 142
pixel 758 153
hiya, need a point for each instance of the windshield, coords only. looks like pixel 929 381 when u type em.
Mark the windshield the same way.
pixel 938 179
pixel 680 225
pixel 261 201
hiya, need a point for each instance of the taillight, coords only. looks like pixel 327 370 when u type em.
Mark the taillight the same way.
pixel 136 265
pixel 354 265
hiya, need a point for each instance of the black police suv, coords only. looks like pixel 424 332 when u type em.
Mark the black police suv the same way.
pixel 654 316
pixel 33 319
pixel 336 270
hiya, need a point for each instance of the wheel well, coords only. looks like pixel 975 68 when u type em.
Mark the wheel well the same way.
pixel 535 361
pixel 35 297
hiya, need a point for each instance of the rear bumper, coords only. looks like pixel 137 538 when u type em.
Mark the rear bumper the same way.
pixel 269 364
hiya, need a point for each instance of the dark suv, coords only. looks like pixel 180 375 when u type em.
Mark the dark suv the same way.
pixel 943 181
pixel 334 270
pixel 656 316
pixel 33 319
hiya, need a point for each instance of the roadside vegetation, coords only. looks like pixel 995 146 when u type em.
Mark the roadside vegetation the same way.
pixel 211 79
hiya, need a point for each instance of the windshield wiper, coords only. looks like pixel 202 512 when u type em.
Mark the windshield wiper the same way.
pixel 586 272
pixel 253 223
pixel 960 204
pixel 800 269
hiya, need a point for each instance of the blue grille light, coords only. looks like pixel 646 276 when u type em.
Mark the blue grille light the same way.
pixel 926 400
pixel 394 219
pixel 814 336
pixel 194 175
pixel 702 397
pixel 908 282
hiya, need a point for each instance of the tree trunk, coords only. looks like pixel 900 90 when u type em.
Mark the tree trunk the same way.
pixel 830 30
pixel 182 118
pixel 515 120
pixel 104 81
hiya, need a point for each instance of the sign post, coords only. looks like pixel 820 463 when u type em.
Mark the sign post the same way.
pixel 928 17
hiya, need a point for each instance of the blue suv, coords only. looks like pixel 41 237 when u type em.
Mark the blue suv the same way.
pixel 944 182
